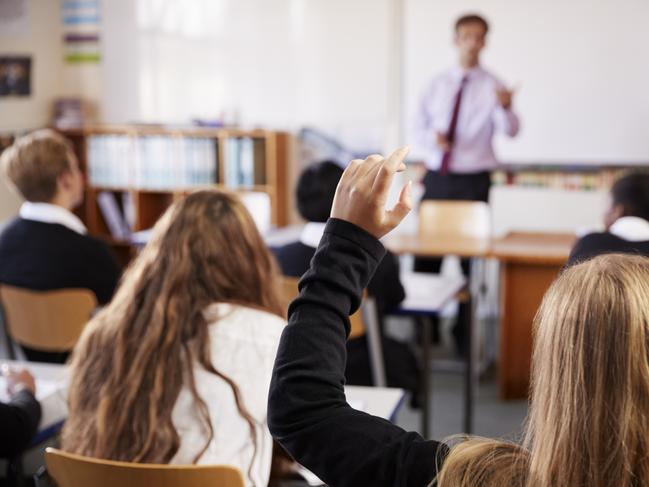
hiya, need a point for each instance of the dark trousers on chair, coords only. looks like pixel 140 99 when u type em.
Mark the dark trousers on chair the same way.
pixel 460 187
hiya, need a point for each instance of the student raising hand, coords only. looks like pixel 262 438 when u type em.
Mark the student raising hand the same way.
pixel 307 410
pixel 363 191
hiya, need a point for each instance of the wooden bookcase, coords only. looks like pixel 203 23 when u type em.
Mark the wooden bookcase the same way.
pixel 149 203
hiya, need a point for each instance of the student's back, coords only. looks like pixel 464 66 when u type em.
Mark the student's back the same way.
pixel 47 256
pixel 626 221
pixel 176 368
pixel 47 247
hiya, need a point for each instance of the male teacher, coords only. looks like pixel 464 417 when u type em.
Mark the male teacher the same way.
pixel 459 113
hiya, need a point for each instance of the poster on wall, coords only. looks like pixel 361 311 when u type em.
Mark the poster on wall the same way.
pixel 14 18
pixel 15 75
pixel 81 22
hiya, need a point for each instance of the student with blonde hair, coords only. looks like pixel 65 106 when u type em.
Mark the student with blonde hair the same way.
pixel 47 246
pixel 588 423
pixel 176 368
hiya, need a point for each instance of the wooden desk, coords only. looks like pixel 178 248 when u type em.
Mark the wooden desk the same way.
pixel 378 401
pixel 383 402
pixel 426 296
pixel 529 264
pixel 438 247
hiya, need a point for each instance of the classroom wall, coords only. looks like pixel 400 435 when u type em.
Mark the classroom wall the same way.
pixel 278 64
pixel 40 40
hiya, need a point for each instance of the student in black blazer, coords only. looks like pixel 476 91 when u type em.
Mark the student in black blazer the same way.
pixel 315 194
pixel 626 222
pixel 47 247
pixel 20 416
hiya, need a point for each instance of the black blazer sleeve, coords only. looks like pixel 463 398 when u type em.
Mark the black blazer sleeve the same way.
pixel 104 272
pixel 18 423
pixel 386 285
pixel 307 410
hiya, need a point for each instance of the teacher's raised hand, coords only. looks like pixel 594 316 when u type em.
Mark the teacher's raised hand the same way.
pixel 362 193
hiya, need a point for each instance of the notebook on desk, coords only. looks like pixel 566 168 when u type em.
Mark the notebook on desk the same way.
pixel 44 389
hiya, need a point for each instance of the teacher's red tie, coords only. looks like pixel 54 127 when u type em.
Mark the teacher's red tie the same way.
pixel 450 134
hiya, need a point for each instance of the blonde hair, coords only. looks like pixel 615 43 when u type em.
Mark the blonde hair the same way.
pixel 588 423
pixel 34 163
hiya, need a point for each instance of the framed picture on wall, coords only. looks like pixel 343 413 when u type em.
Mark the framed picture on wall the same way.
pixel 15 75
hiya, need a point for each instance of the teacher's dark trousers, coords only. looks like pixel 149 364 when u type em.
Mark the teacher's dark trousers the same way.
pixel 461 187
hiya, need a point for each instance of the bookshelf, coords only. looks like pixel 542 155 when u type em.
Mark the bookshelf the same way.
pixel 145 169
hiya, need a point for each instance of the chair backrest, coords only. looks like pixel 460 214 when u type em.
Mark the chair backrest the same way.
pixel 443 218
pixel 46 320
pixel 289 287
pixel 69 470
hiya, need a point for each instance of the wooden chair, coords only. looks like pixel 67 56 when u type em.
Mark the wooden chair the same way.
pixel 359 325
pixel 50 321
pixel 290 291
pixel 454 219
pixel 69 470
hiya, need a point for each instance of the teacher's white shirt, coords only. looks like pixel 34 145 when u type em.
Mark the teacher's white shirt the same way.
pixel 480 117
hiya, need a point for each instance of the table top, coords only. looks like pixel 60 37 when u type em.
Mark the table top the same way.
pixel 383 402
pixel 536 248
pixel 378 401
pixel 50 390
pixel 437 247
pixel 428 293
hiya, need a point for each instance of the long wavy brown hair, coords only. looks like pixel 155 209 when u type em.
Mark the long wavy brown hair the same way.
pixel 135 356
pixel 588 423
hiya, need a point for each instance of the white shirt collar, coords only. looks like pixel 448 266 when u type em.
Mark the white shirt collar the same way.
pixel 631 228
pixel 312 233
pixel 49 213
pixel 459 72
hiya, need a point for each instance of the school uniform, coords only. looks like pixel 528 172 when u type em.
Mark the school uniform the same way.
pixel 243 344
pixel 19 420
pixel 385 286
pixel 307 410
pixel 628 235
pixel 46 248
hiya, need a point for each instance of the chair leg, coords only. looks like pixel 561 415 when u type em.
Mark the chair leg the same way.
pixel 425 324
pixel 15 472
pixel 374 343
pixel 11 352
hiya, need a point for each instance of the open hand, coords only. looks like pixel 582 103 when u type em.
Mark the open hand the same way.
pixel 505 97
pixel 363 191
pixel 442 142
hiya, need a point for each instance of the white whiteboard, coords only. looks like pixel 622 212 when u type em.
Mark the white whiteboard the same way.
pixel 582 65
pixel 282 64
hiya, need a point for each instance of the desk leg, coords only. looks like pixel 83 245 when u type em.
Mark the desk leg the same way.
pixel 469 371
pixel 425 376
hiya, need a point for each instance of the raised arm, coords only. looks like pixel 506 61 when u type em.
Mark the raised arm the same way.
pixel 308 413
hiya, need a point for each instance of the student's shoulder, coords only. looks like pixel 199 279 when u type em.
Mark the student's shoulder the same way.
pixel 245 321
pixel 290 248
pixel 593 244
pixel 596 238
